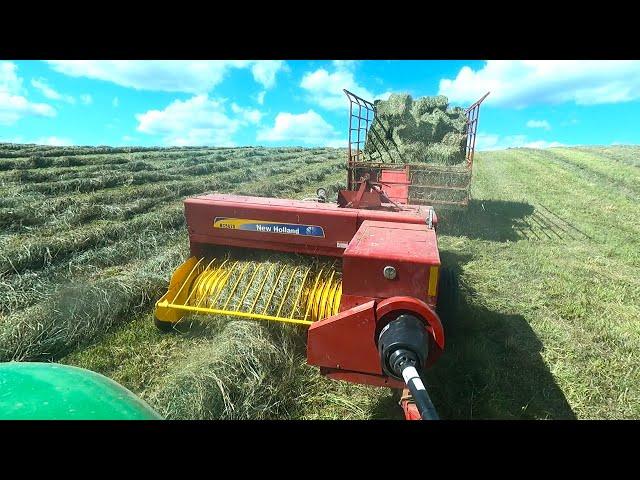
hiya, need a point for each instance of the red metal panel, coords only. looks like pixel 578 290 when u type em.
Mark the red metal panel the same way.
pixel 339 225
pixel 346 341
pixel 396 185
pixel 410 248
pixel 409 408
pixel 410 214
pixel 349 301
pixel 344 345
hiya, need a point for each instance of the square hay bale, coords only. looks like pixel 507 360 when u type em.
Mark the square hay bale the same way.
pixel 425 130
pixel 440 124
pixel 398 105
pixel 443 154
pixel 459 123
pixel 415 152
pixel 429 104
pixel 454 139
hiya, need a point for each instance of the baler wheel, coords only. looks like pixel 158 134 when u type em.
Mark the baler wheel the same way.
pixel 448 296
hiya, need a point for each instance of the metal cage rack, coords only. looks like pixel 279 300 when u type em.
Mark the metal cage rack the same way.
pixel 431 183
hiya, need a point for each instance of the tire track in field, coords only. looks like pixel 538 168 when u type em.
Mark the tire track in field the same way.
pixel 592 175
pixel 545 223
pixel 627 155
pixel 562 184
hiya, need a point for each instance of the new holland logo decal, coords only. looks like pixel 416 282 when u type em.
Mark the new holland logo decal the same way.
pixel 268 227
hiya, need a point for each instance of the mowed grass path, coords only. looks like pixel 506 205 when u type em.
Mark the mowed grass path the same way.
pixel 547 253
pixel 549 258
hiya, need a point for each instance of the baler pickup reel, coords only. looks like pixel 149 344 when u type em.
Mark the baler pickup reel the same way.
pixel 251 290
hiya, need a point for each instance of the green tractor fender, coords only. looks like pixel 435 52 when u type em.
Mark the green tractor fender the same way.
pixel 51 391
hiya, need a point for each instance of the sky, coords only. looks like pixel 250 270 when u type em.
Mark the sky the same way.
pixel 533 103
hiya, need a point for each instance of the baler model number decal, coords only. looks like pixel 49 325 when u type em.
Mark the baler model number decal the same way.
pixel 268 227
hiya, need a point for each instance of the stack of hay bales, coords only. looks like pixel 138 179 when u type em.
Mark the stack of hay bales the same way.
pixel 425 130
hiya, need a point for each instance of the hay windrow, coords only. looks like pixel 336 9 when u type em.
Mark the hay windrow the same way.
pixel 241 373
pixel 80 312
pixel 250 369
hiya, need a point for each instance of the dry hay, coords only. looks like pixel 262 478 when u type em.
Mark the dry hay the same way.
pixel 425 130
pixel 250 368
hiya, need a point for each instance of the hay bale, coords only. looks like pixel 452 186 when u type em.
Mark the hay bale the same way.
pixel 415 152
pixel 458 122
pixel 443 154
pixel 398 105
pixel 423 130
pixel 439 123
pixel 455 139
pixel 429 104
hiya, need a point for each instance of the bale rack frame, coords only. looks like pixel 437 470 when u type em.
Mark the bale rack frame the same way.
pixel 427 179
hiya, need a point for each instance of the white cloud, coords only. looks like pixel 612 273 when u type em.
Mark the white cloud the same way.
pixel 260 97
pixel 264 71
pixel 189 76
pixel 325 89
pixel 54 141
pixel 86 99
pixel 539 124
pixel 49 92
pixel 13 103
pixel 492 141
pixel 9 80
pixel 571 121
pixel 486 141
pixel 196 121
pixel 115 102
pixel 304 128
pixel 250 115
pixel 519 83
pixel 543 144
pixel 14 107
pixel 344 64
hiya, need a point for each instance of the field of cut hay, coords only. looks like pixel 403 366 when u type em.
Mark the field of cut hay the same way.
pixel 548 254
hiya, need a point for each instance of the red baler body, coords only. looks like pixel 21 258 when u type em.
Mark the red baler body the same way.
pixel 344 345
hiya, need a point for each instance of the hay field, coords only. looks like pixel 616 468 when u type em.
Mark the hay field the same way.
pixel 547 251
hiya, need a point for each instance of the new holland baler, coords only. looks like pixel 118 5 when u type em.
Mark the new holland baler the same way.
pixel 372 318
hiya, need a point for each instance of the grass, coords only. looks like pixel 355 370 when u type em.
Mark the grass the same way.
pixel 548 256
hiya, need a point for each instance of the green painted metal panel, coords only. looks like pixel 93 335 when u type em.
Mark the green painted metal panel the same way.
pixel 51 391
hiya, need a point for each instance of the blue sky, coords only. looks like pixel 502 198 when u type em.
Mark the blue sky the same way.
pixel 225 103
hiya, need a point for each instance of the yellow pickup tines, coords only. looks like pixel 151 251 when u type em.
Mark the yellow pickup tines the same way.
pixel 252 290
